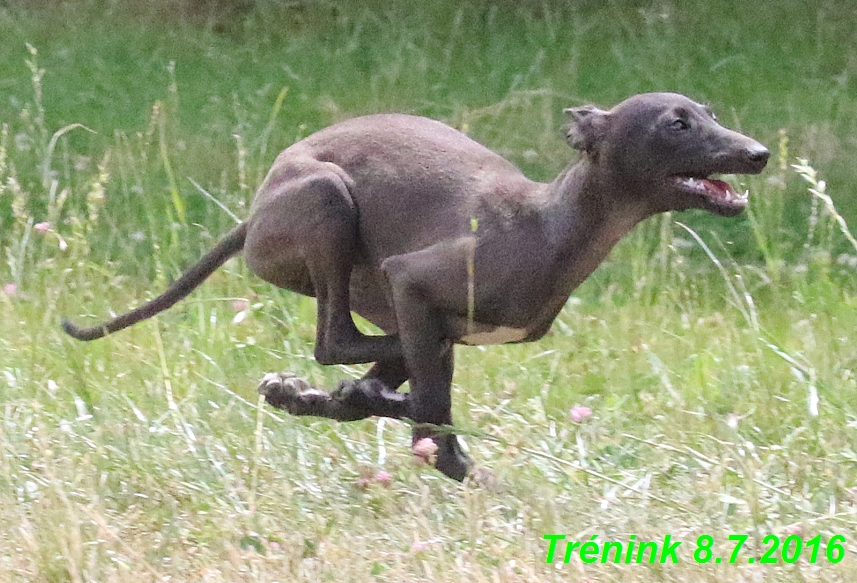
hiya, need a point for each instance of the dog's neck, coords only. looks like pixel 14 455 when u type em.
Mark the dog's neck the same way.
pixel 587 215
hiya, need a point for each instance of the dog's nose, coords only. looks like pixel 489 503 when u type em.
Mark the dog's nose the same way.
pixel 758 153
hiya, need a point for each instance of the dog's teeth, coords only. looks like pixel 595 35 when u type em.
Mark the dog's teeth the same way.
pixel 693 184
pixel 740 196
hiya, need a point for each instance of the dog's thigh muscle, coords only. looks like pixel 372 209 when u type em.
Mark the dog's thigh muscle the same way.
pixel 304 223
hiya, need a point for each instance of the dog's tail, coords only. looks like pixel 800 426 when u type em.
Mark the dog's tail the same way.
pixel 232 244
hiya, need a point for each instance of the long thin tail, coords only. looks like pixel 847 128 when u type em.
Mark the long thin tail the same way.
pixel 229 246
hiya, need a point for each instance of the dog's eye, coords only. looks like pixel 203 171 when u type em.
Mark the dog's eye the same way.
pixel 679 125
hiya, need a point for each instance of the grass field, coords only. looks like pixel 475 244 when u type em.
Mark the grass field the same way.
pixel 718 357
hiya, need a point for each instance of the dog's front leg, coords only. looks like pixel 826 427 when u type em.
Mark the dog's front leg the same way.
pixel 428 356
pixel 431 407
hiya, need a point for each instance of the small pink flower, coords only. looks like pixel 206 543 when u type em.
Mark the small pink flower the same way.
pixel 10 289
pixel 418 546
pixel 42 227
pixel 425 447
pixel 383 478
pixel 240 305
pixel 424 450
pixel 579 413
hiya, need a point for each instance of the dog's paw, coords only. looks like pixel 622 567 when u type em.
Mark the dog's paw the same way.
pixel 282 383
pixel 483 478
pixel 290 392
pixel 359 393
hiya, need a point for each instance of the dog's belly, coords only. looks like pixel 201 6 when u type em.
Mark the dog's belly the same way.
pixel 464 331
pixel 493 335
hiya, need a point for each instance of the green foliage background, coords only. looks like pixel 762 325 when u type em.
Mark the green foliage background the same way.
pixel 718 359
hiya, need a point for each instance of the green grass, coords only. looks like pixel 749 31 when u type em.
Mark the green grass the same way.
pixel 146 455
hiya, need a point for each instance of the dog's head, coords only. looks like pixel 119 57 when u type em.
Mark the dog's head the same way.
pixel 662 149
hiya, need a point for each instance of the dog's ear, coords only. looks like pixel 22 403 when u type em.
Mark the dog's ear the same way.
pixel 586 126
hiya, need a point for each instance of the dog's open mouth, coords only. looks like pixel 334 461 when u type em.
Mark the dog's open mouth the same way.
pixel 718 195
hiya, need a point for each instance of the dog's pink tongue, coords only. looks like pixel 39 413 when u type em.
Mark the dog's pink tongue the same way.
pixel 719 187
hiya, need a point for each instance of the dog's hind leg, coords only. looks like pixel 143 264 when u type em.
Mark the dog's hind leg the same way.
pixel 304 236
pixel 373 395
pixel 338 341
